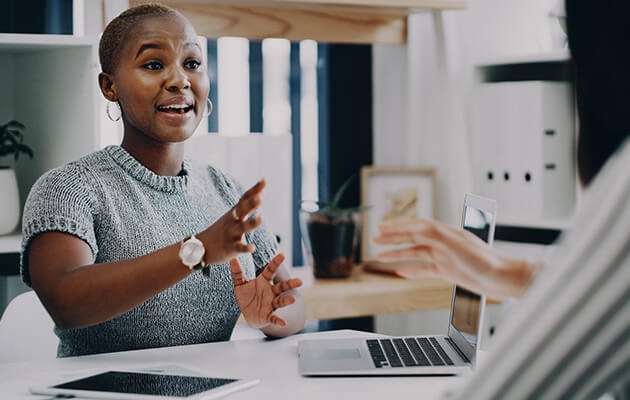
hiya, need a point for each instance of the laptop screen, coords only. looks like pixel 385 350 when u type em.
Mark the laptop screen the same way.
pixel 467 306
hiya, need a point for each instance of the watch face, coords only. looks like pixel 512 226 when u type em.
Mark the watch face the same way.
pixel 192 252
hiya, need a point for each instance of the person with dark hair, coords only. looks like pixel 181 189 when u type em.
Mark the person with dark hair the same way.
pixel 602 85
pixel 115 243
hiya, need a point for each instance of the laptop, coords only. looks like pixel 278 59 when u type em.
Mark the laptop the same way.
pixel 450 354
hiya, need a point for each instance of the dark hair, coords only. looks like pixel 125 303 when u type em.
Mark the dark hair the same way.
pixel 597 33
pixel 117 30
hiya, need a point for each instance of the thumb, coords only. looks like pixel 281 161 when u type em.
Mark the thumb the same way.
pixel 237 272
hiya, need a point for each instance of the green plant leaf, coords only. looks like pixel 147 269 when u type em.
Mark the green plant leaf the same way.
pixel 11 140
pixel 25 149
pixel 334 204
pixel 14 124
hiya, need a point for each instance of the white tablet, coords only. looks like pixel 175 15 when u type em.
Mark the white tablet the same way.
pixel 143 385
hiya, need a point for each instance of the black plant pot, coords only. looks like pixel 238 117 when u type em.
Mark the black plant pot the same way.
pixel 331 242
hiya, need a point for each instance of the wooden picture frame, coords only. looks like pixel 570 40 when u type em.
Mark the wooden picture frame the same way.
pixel 394 192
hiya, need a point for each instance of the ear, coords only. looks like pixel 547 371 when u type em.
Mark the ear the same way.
pixel 108 87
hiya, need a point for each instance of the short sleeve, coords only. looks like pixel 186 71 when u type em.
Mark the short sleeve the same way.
pixel 60 201
pixel 264 240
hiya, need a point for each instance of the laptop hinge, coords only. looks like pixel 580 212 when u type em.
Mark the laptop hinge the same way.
pixel 457 350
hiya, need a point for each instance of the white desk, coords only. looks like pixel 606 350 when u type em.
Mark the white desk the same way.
pixel 273 362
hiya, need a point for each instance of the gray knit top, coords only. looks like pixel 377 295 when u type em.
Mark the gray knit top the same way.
pixel 123 210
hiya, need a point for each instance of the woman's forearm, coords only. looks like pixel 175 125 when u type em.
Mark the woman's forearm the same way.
pixel 89 294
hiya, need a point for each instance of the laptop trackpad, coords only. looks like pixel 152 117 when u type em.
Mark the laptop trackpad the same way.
pixel 331 354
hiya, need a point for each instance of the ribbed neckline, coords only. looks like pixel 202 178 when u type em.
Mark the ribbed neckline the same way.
pixel 145 175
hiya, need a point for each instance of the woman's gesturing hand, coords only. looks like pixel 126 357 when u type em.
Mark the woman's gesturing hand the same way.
pixel 223 240
pixel 259 298
pixel 457 255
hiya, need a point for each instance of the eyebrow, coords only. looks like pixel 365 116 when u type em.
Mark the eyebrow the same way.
pixel 159 46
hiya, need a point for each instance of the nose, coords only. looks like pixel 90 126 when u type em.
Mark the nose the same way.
pixel 177 79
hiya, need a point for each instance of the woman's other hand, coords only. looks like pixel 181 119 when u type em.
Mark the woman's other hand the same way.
pixel 223 240
pixel 259 298
pixel 456 255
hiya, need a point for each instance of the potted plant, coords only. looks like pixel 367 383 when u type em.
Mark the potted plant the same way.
pixel 330 235
pixel 11 143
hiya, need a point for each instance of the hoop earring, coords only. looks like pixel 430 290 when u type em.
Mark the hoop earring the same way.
pixel 207 114
pixel 109 115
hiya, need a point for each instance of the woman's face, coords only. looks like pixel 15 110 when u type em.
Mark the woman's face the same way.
pixel 161 80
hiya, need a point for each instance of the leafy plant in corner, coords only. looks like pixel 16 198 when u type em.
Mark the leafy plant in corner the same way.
pixel 331 233
pixel 12 140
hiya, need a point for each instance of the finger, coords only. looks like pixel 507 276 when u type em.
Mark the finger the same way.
pixel 399 224
pixel 274 319
pixel 272 267
pixel 394 238
pixel 244 248
pixel 410 253
pixel 284 286
pixel 282 301
pixel 249 225
pixel 245 207
pixel 250 200
pixel 237 272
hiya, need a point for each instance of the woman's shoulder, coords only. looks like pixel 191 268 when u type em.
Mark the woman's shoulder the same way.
pixel 76 175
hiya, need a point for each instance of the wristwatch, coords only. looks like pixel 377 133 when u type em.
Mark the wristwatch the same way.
pixel 191 253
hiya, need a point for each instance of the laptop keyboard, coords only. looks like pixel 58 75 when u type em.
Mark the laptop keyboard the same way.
pixel 408 352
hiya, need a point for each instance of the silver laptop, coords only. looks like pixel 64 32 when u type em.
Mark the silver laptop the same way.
pixel 448 354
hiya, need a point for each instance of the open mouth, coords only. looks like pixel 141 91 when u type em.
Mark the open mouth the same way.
pixel 176 108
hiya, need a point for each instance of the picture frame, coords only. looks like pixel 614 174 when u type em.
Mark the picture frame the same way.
pixel 394 192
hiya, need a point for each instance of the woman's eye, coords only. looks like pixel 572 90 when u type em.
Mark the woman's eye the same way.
pixel 153 65
pixel 192 64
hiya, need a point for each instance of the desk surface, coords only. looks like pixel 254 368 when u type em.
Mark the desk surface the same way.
pixel 368 293
pixel 273 362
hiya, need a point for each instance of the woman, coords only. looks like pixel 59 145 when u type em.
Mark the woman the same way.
pixel 112 241
pixel 569 336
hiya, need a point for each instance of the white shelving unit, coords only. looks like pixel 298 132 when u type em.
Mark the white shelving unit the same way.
pixel 50 85
pixel 527 99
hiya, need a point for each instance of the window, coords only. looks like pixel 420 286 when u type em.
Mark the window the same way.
pixel 286 73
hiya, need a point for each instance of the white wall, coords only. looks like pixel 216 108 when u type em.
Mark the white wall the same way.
pixel 423 98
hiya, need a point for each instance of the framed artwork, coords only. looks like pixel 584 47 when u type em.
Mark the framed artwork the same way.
pixel 391 193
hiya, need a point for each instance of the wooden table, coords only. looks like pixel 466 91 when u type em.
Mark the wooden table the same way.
pixel 367 293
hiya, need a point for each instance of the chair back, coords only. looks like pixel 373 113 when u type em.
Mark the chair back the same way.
pixel 26 331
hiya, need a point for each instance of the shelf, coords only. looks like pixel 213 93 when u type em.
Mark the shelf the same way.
pixel 10 243
pixel 558 56
pixel 552 66
pixel 558 224
pixel 367 293
pixel 24 43
pixel 340 21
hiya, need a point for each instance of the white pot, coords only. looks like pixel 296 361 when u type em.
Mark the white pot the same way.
pixel 9 201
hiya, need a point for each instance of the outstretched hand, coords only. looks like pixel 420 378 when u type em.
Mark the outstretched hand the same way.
pixel 437 249
pixel 259 298
pixel 223 240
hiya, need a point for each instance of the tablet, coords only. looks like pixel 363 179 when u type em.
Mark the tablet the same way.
pixel 142 385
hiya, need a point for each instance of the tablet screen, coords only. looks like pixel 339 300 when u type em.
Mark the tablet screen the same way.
pixel 146 384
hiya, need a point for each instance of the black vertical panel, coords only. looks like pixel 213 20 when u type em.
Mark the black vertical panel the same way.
pixel 345 111
pixel 213 76
pixel 255 86
pixel 295 93
pixel 350 116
